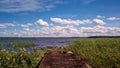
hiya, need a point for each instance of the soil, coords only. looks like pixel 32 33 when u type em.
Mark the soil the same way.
pixel 61 59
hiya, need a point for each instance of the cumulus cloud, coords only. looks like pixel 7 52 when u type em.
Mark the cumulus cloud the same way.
pixel 70 21
pixel 27 5
pixel 5 25
pixel 113 18
pixel 56 30
pixel 77 22
pixel 65 31
pixel 2 26
pixel 98 21
pixel 25 25
pixel 101 30
pixel 26 29
pixel 41 22
pixel 96 29
pixel 100 16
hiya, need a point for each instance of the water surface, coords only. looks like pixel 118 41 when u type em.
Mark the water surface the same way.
pixel 40 42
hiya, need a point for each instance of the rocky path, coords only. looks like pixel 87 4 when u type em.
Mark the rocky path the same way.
pixel 61 59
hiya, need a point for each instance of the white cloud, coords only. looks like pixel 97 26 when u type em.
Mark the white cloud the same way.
pixel 87 1
pixel 100 30
pixel 5 25
pixel 70 21
pixel 113 18
pixel 2 26
pixel 87 21
pixel 27 5
pixel 98 21
pixel 96 29
pixel 56 30
pixel 41 22
pixel 25 25
pixel 77 22
pixel 26 29
pixel 51 24
pixel 65 31
pixel 100 16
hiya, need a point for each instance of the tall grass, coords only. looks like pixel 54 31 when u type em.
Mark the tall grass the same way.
pixel 2 43
pixel 20 59
pixel 100 53
pixel 18 43
pixel 21 44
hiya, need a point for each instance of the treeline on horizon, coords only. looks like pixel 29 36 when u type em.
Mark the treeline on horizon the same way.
pixel 104 37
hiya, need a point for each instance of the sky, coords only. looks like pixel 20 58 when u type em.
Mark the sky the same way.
pixel 59 18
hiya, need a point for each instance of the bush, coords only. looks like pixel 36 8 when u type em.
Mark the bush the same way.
pixel 20 59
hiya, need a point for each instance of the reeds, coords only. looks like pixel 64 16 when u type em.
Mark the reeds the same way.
pixel 18 43
pixel 100 53
pixel 21 44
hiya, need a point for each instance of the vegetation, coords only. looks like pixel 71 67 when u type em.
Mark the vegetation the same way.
pixel 18 44
pixel 100 53
pixel 20 59
pixel 2 43
pixel 21 44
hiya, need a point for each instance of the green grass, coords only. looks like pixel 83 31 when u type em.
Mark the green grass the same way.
pixel 100 53
pixel 21 44
pixel 20 59
pixel 18 44
pixel 2 43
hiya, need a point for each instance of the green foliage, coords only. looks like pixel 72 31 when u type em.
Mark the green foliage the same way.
pixel 20 59
pixel 21 44
pixel 2 43
pixel 100 53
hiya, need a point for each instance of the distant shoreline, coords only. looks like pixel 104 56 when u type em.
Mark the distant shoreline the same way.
pixel 69 37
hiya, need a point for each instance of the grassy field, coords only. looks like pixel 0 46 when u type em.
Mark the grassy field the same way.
pixel 100 53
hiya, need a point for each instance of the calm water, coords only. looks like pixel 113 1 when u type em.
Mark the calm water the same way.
pixel 40 42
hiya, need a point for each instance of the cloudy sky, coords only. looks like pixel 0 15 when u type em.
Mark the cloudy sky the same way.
pixel 59 18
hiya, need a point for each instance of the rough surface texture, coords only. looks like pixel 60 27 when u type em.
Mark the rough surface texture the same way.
pixel 61 59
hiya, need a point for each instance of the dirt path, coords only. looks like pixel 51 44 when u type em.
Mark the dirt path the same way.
pixel 61 59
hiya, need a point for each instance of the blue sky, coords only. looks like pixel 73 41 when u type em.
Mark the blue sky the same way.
pixel 59 18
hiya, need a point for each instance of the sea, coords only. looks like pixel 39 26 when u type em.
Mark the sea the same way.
pixel 41 42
